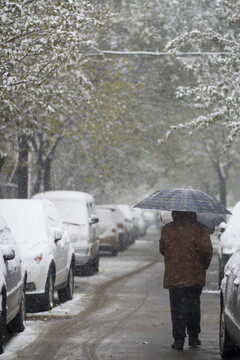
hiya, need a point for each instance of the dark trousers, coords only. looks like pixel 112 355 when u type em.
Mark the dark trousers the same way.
pixel 185 311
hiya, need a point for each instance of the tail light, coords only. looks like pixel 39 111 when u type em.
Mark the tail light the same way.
pixel 120 226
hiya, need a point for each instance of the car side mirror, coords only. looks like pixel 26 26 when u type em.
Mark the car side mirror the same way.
pixel 222 227
pixel 93 219
pixel 57 235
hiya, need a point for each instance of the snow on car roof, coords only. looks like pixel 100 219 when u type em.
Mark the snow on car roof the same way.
pixel 64 194
pixel 126 210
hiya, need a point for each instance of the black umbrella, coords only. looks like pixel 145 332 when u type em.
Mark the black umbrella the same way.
pixel 210 220
pixel 181 199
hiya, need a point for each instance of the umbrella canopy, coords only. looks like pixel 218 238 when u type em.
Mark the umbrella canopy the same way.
pixel 210 220
pixel 181 199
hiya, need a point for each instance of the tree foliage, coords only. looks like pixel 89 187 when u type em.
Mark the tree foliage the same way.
pixel 216 90
pixel 42 79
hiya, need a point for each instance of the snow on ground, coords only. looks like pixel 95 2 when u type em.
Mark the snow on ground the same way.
pixel 33 327
pixel 206 291
pixel 19 341
pixel 109 268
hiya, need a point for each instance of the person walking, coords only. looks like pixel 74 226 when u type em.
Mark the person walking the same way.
pixel 187 250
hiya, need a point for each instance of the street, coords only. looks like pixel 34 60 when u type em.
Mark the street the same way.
pixel 123 313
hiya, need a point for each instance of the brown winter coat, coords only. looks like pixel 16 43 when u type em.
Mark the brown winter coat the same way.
pixel 187 251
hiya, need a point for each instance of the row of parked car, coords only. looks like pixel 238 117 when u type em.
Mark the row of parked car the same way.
pixel 46 241
pixel 229 284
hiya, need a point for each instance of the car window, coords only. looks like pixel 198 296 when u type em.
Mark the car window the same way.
pixel 72 211
pixel 90 211
pixel 93 208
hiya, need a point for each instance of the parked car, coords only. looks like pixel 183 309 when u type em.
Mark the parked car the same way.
pixel 129 222
pixel 108 231
pixel 12 284
pixel 78 212
pixel 229 240
pixel 152 217
pixel 46 250
pixel 141 227
pixel 229 329
pixel 119 220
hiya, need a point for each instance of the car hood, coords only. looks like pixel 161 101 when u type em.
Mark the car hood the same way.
pixel 30 248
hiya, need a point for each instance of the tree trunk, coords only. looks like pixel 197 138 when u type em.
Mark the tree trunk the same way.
pixel 222 186
pixel 38 181
pixel 47 175
pixel 2 161
pixel 22 170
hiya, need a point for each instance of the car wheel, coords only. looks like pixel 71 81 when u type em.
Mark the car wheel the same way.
pixel 95 264
pixel 226 346
pixel 18 324
pixel 121 245
pixel 67 292
pixel 48 300
pixel 2 323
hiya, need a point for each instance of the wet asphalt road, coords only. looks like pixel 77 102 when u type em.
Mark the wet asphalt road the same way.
pixel 126 314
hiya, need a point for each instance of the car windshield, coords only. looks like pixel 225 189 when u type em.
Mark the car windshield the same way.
pixel 105 216
pixel 5 234
pixel 71 211
pixel 24 219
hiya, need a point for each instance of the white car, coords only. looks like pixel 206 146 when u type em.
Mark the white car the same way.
pixel 229 326
pixel 108 231
pixel 78 212
pixel 140 223
pixel 119 220
pixel 129 221
pixel 12 284
pixel 46 250
pixel 229 240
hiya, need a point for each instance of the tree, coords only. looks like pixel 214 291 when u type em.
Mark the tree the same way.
pixel 216 91
pixel 150 102
pixel 41 44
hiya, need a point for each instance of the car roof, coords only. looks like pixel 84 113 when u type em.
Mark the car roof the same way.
pixel 64 195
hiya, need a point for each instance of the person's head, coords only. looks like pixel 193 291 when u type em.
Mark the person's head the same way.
pixel 184 216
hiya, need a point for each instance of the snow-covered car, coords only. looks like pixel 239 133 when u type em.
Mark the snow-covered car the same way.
pixel 129 222
pixel 78 212
pixel 141 227
pixel 12 284
pixel 108 231
pixel 229 329
pixel 47 253
pixel 229 240
pixel 119 220
pixel 152 217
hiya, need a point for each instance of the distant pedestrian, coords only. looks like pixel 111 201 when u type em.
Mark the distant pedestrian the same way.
pixel 187 250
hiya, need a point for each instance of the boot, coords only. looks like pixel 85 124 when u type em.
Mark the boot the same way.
pixel 178 344
pixel 194 341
